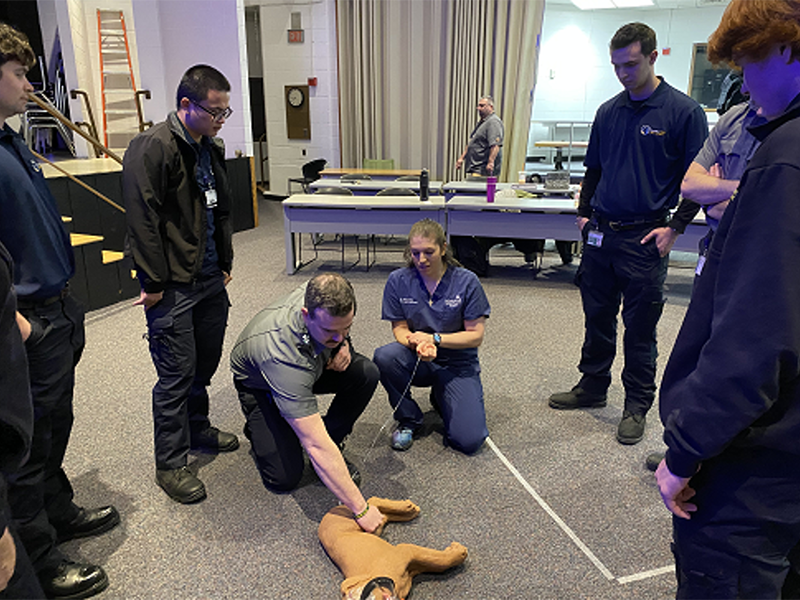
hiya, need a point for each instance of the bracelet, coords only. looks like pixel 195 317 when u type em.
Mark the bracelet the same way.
pixel 362 513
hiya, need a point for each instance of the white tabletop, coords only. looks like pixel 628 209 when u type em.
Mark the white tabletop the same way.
pixel 372 184
pixel 544 205
pixel 478 187
pixel 362 202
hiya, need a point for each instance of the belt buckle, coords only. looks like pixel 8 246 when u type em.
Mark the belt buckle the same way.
pixel 616 225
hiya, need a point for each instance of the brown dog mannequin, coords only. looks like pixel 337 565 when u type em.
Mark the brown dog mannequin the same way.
pixel 363 556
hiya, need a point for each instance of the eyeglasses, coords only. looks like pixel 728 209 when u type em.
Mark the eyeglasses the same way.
pixel 217 115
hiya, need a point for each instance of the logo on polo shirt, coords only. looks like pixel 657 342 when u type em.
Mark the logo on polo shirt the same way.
pixel 408 300
pixel 35 166
pixel 647 130
pixel 453 302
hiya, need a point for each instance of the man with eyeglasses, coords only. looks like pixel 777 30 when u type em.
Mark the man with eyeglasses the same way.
pixel 178 206
pixel 294 349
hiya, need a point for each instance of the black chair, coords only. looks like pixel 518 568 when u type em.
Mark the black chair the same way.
pixel 311 172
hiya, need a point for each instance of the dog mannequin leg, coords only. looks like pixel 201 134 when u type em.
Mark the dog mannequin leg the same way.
pixel 395 510
pixel 428 560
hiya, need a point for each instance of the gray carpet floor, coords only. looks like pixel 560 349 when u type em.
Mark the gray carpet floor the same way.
pixel 551 507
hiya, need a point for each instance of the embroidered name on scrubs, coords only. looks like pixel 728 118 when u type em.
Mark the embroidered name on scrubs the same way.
pixel 408 301
pixel 647 130
pixel 453 302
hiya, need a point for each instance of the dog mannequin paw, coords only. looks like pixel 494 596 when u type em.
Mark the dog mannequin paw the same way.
pixel 458 550
pixel 396 510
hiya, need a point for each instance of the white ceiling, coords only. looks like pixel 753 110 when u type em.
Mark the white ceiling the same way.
pixel 658 4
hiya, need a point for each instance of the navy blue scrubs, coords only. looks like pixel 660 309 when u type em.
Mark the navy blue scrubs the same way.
pixel 455 374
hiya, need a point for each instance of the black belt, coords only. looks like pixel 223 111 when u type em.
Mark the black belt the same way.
pixel 631 223
pixel 26 303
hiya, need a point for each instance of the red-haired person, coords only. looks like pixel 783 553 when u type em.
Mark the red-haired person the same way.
pixel 730 395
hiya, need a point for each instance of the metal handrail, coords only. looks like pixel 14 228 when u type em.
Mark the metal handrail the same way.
pixel 91 124
pixel 140 113
pixel 73 127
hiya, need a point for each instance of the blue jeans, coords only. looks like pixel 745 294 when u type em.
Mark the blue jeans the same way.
pixel 457 388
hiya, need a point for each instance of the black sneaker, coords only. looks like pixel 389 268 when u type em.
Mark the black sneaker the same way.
pixel 181 485
pixel 653 460
pixel 212 438
pixel 577 397
pixel 631 428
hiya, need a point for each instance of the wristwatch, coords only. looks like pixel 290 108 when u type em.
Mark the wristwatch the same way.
pixel 437 339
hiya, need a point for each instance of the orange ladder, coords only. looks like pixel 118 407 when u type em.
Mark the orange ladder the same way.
pixel 117 85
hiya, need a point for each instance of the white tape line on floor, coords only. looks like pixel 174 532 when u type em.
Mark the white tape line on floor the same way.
pixel 571 534
pixel 564 527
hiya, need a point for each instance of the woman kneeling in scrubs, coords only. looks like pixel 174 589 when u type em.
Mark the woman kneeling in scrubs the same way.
pixel 438 311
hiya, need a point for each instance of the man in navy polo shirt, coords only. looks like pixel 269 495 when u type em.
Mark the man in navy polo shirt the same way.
pixel 641 144
pixel 51 320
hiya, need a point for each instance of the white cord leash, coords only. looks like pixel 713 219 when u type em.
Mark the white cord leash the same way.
pixel 394 410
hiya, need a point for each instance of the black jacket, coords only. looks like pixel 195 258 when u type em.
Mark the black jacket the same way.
pixel 16 408
pixel 165 208
pixel 733 379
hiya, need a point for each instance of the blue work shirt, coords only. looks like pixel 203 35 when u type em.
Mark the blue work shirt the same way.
pixel 30 223
pixel 204 175
pixel 643 150
pixel 459 297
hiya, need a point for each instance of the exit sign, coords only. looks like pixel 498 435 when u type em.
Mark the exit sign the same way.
pixel 295 36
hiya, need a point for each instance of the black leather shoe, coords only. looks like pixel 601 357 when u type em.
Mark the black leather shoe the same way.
pixel 577 397
pixel 181 485
pixel 631 428
pixel 88 523
pixel 70 580
pixel 212 438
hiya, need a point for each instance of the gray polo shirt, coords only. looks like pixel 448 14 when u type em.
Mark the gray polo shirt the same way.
pixel 487 133
pixel 730 144
pixel 275 352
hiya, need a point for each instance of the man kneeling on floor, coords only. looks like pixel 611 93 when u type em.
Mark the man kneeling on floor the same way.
pixel 289 352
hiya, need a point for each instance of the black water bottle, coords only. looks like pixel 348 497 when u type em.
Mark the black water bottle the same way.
pixel 423 185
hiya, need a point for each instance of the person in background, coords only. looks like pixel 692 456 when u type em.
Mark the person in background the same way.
pixel 438 311
pixel 52 321
pixel 483 154
pixel 730 394
pixel 178 204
